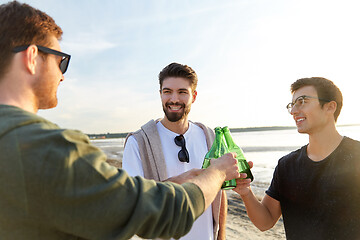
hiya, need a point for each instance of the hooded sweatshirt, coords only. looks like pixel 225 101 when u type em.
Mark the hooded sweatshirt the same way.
pixel 55 185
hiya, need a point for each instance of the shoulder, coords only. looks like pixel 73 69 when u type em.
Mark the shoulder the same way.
pixel 130 141
pixel 350 146
pixel 291 157
pixel 34 128
pixel 146 129
pixel 55 139
pixel 40 135
pixel 351 142
pixel 61 149
pixel 201 127
pixel 16 119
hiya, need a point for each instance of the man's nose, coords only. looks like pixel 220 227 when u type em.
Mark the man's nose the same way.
pixel 294 110
pixel 174 97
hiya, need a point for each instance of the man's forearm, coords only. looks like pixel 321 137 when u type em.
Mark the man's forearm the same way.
pixel 185 177
pixel 258 213
pixel 209 181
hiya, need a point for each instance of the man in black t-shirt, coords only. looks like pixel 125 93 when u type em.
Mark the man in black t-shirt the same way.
pixel 317 187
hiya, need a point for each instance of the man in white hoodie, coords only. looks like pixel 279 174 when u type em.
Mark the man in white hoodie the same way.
pixel 167 147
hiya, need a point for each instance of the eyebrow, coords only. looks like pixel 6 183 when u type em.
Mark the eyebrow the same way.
pixel 302 96
pixel 180 89
pixel 183 89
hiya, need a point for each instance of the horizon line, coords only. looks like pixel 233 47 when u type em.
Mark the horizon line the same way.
pixel 243 129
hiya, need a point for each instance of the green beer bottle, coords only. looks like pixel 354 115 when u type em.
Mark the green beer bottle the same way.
pixel 242 163
pixel 218 149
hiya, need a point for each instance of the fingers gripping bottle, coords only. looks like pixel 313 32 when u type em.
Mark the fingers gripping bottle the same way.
pixel 242 163
pixel 218 149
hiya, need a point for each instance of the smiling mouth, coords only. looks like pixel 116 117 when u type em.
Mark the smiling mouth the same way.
pixel 174 107
pixel 299 120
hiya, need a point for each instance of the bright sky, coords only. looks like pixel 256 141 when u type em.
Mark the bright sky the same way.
pixel 246 54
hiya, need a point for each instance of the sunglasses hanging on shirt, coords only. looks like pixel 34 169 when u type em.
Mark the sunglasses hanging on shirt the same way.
pixel 183 154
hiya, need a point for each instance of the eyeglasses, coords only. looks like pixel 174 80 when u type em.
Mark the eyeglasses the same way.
pixel 300 101
pixel 64 63
pixel 183 154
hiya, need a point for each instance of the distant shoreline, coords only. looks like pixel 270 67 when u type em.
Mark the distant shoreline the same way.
pixel 247 129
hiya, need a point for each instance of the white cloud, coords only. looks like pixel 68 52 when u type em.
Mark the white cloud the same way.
pixel 86 44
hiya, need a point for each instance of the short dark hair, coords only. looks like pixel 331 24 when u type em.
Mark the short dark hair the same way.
pixel 20 25
pixel 178 70
pixel 325 89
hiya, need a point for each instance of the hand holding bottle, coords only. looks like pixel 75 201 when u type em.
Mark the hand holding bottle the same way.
pixel 226 165
pixel 243 183
pixel 210 179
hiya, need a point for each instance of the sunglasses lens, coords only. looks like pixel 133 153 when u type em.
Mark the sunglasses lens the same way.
pixel 179 141
pixel 183 156
pixel 64 65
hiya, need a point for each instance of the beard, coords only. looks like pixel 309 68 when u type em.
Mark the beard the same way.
pixel 45 94
pixel 176 116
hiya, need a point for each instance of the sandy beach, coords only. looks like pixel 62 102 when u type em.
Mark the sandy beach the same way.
pixel 238 224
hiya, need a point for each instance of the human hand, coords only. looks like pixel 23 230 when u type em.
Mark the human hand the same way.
pixel 227 164
pixel 243 183
pixel 186 176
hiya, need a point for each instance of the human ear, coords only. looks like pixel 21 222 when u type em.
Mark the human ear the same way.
pixel 331 106
pixel 30 60
pixel 194 96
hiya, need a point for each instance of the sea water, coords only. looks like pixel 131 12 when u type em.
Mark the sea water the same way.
pixel 263 148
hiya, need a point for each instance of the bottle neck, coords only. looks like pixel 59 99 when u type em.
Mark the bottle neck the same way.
pixel 218 142
pixel 229 141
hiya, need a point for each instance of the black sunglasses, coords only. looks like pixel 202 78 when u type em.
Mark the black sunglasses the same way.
pixel 183 154
pixel 64 63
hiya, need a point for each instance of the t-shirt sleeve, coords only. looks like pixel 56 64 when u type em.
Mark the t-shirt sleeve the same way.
pixel 273 190
pixel 131 161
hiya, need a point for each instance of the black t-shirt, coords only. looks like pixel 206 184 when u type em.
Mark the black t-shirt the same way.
pixel 320 200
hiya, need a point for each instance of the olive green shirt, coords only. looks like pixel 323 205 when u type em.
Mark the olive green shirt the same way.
pixel 55 185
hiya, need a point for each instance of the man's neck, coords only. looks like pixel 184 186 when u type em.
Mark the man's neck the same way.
pixel 13 92
pixel 179 127
pixel 25 105
pixel 323 143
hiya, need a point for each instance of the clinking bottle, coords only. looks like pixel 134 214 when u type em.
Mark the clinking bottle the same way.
pixel 218 149
pixel 242 163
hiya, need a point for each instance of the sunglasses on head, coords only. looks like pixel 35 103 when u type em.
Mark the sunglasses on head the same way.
pixel 183 154
pixel 64 63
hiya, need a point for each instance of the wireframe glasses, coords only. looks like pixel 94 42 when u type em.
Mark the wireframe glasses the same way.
pixel 183 154
pixel 300 101
pixel 64 63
